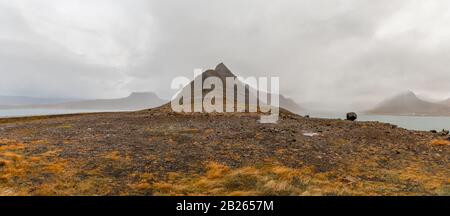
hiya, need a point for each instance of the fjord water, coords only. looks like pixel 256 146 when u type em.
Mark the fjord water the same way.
pixel 420 123
pixel 40 112
pixel 424 123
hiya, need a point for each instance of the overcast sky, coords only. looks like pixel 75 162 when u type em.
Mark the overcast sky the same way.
pixel 348 53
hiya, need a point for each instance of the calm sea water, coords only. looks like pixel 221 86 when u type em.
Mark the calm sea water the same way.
pixel 423 123
pixel 40 112
pixel 408 122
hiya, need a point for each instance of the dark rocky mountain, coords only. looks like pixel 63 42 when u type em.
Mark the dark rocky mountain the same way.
pixel 409 104
pixel 222 72
pixel 188 94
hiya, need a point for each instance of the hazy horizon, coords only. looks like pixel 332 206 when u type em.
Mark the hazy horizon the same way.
pixel 348 54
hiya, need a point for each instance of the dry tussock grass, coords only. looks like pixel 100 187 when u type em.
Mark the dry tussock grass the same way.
pixel 273 179
pixel 17 168
pixel 222 180
pixel 47 174
pixel 114 155
pixel 440 142
pixel 43 174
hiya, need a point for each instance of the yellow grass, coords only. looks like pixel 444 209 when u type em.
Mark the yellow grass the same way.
pixel 273 179
pixel 222 180
pixel 440 142
pixel 16 168
pixel 48 174
pixel 114 155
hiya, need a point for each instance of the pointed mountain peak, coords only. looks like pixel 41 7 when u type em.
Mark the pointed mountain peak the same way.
pixel 221 66
pixel 223 71
pixel 409 94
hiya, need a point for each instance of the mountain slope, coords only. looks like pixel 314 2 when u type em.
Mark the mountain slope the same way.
pixel 445 102
pixel 409 104
pixel 290 104
pixel 222 72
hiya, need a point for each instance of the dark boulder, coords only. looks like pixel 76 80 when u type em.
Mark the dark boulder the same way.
pixel 352 116
pixel 433 131
pixel 444 132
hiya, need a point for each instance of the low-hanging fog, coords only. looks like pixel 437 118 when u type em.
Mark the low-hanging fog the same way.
pixel 341 54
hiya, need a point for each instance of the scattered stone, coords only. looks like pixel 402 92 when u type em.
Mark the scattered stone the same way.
pixel 433 131
pixel 310 134
pixel 2 163
pixel 394 126
pixel 350 179
pixel 444 132
pixel 306 116
pixel 352 116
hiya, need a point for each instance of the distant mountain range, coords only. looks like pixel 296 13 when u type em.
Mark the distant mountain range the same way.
pixel 409 104
pixel 134 101
pixel 138 101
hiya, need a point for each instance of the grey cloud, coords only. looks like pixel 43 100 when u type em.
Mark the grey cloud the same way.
pixel 323 50
pixel 33 65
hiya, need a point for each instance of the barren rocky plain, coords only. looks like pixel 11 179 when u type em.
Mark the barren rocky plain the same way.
pixel 159 152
